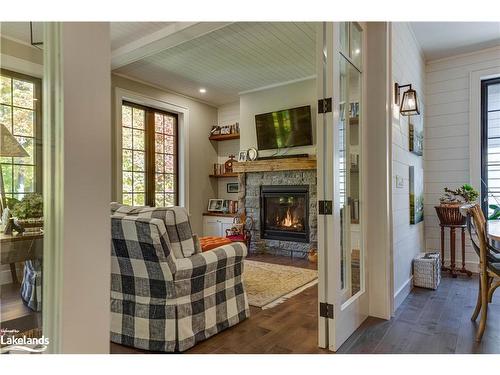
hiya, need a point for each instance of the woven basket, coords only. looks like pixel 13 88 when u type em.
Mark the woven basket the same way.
pixel 426 270
pixel 450 215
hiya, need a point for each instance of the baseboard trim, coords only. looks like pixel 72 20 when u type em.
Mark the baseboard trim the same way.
pixel 403 292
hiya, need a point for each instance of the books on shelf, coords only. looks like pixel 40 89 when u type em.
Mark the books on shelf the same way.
pixel 225 129
pixel 221 170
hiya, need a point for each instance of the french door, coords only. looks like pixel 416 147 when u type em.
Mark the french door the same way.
pixel 343 294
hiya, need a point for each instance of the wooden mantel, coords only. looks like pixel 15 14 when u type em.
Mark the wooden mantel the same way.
pixel 270 165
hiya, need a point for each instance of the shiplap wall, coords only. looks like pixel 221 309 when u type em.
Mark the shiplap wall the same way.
pixel 446 142
pixel 227 114
pixel 408 66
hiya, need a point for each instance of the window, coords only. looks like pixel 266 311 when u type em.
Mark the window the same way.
pixel 149 156
pixel 20 112
pixel 490 143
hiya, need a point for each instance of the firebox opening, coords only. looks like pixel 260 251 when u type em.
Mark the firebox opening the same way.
pixel 284 213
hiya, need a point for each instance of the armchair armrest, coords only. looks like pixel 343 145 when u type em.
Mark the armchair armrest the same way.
pixel 210 261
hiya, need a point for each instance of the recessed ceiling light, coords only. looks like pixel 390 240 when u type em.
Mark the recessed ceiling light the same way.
pixel 203 90
pixel 357 51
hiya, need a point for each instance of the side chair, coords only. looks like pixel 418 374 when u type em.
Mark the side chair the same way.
pixel 489 263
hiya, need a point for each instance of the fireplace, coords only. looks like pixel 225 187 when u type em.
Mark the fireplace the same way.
pixel 284 212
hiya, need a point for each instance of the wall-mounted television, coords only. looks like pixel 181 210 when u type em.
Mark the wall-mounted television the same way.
pixel 286 128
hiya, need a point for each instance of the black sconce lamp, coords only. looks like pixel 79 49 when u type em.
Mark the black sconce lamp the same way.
pixel 409 103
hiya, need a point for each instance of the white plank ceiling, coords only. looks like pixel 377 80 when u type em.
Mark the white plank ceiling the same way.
pixel 238 57
pixel 122 33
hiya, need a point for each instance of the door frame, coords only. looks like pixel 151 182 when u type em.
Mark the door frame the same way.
pixel 377 172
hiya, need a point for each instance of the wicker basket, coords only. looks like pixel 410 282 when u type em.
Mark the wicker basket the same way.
pixel 426 270
pixel 450 215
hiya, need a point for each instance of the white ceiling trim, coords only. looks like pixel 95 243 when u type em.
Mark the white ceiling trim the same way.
pixel 161 40
pixel 464 54
pixel 278 85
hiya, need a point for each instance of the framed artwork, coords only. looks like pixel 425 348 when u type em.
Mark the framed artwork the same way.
pixel 416 195
pixel 232 187
pixel 215 205
pixel 242 156
pixel 415 139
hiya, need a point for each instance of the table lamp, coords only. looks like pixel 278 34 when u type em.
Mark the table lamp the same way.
pixel 9 147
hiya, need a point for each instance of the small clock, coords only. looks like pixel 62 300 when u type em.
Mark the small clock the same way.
pixel 252 154
pixel 228 165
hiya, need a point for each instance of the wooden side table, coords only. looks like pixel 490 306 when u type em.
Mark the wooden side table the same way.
pixel 452 267
pixel 450 217
pixel 16 248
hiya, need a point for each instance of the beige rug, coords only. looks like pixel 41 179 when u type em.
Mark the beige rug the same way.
pixel 268 285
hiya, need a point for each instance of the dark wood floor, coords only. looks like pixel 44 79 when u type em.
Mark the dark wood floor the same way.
pixel 427 322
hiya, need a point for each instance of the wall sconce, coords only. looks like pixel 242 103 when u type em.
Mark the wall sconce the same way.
pixel 409 104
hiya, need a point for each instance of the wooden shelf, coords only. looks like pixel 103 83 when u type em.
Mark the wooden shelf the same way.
pixel 224 137
pixel 219 214
pixel 269 165
pixel 225 175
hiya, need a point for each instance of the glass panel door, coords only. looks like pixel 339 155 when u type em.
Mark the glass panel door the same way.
pixel 341 233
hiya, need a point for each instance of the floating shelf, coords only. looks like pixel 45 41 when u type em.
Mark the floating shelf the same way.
pixel 225 175
pixel 224 137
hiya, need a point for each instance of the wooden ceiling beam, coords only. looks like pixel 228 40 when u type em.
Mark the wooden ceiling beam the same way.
pixel 168 37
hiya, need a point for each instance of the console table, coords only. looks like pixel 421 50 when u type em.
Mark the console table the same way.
pixel 19 248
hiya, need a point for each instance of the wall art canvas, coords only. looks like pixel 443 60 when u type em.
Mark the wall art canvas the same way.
pixel 416 190
pixel 416 139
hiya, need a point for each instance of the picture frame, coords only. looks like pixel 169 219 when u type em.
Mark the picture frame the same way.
pixel 242 156
pixel 215 205
pixel 232 187
pixel 415 139
pixel 416 195
pixel 252 154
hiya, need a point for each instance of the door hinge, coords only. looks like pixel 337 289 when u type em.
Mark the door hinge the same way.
pixel 325 207
pixel 326 310
pixel 325 105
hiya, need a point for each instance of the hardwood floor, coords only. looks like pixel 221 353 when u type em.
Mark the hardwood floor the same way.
pixel 426 322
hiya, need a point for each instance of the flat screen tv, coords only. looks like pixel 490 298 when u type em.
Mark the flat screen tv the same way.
pixel 287 128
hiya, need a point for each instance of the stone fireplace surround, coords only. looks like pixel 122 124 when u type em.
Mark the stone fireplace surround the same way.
pixel 249 197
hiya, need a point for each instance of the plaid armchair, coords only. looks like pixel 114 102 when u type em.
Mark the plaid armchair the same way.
pixel 162 300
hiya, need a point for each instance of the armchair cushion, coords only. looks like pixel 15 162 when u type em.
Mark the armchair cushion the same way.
pixel 176 220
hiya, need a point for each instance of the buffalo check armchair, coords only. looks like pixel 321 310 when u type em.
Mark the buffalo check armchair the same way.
pixel 166 295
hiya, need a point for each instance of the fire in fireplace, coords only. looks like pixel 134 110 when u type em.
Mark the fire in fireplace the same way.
pixel 284 213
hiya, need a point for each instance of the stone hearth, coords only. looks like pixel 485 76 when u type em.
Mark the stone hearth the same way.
pixel 250 184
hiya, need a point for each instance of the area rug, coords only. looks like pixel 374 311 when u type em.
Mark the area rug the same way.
pixel 268 285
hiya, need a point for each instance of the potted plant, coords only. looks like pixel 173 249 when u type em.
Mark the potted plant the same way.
pixel 29 211
pixel 464 194
pixel 448 211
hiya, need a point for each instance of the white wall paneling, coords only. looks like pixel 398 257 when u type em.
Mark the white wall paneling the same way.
pixel 452 129
pixel 408 66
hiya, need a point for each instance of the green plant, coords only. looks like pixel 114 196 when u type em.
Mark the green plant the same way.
pixel 495 215
pixel 11 202
pixel 30 207
pixel 464 194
